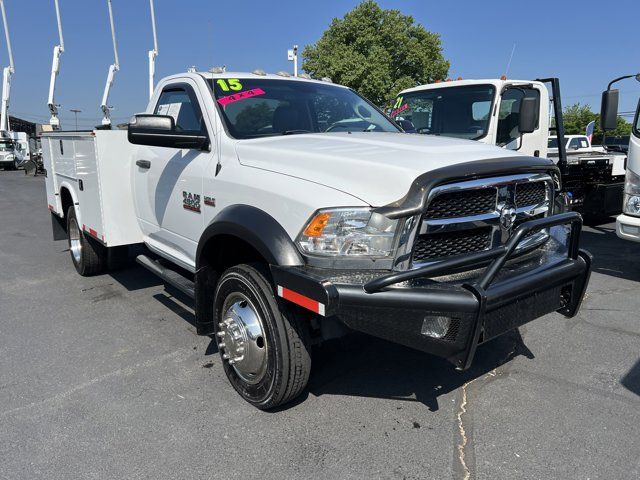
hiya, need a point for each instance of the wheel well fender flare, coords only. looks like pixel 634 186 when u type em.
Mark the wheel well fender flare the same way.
pixel 251 225
pixel 257 228
pixel 74 199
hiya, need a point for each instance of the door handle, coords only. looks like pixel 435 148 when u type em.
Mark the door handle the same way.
pixel 143 163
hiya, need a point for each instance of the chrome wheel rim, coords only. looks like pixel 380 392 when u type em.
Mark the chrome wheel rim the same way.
pixel 241 338
pixel 75 245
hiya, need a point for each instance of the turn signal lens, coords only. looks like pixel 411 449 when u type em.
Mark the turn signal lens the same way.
pixel 317 225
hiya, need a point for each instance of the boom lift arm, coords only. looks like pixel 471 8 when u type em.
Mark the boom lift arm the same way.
pixel 6 77
pixel 55 68
pixel 153 53
pixel 113 68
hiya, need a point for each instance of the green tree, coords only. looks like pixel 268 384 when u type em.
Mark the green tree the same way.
pixel 577 117
pixel 377 53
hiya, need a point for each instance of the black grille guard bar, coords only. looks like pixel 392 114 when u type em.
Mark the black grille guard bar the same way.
pixel 499 255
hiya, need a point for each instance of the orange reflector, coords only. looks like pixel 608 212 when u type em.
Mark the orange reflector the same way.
pixel 316 226
pixel 503 77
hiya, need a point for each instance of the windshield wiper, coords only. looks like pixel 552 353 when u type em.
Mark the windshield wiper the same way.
pixel 293 132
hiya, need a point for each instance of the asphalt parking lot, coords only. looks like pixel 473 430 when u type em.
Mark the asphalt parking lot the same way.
pixel 104 377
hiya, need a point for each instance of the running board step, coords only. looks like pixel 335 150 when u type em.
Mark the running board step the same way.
pixel 169 276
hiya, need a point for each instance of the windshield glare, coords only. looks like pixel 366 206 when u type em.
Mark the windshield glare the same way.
pixel 259 107
pixel 461 112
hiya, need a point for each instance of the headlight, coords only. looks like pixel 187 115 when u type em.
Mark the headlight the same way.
pixel 348 231
pixel 631 203
pixel 10 157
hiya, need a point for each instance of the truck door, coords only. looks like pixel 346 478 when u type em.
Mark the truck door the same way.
pixel 168 181
pixel 508 135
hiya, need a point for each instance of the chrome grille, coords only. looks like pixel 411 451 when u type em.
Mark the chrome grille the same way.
pixel 459 204
pixel 532 193
pixel 478 215
pixel 451 243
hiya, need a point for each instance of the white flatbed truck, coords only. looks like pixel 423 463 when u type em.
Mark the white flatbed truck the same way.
pixel 293 209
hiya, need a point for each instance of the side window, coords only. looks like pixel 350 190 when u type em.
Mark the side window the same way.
pixel 509 115
pixel 181 104
pixel 574 143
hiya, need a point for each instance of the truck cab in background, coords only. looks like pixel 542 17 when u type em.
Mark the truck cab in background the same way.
pixel 8 158
pixel 628 223
pixel 514 114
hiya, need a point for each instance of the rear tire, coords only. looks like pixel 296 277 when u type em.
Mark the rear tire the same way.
pixel 88 256
pixel 263 343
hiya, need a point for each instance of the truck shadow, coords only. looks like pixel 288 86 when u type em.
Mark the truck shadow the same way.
pixel 611 255
pixel 631 381
pixel 365 366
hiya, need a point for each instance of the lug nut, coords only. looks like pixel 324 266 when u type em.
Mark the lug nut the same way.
pixel 221 345
pixel 232 361
pixel 220 334
pixel 226 356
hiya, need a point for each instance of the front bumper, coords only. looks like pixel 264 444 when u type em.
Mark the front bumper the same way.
pixel 628 227
pixel 396 305
pixel 7 163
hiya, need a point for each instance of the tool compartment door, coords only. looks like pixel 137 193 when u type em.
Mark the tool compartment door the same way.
pixel 88 187
pixel 51 185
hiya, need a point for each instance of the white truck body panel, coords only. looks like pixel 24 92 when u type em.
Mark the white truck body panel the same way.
pixel 100 161
pixel 361 163
pixel 627 226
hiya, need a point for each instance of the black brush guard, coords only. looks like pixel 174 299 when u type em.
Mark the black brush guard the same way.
pixel 374 303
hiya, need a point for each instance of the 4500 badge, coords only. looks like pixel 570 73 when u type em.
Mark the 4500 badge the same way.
pixel 191 201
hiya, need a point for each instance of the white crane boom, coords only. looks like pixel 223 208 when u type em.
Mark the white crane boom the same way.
pixel 55 68
pixel 153 53
pixel 6 77
pixel 113 68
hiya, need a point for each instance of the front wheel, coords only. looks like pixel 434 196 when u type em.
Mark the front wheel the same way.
pixel 263 342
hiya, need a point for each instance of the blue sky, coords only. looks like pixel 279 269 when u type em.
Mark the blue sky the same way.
pixel 577 41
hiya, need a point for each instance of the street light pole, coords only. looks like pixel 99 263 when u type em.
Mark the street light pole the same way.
pixel 292 55
pixel 636 75
pixel 76 112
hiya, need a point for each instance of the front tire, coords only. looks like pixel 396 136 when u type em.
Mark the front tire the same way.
pixel 263 342
pixel 88 256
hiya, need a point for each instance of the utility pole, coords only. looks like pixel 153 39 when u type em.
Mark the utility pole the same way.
pixel 292 55
pixel 76 112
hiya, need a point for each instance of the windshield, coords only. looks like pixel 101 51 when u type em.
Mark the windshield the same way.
pixel 461 112
pixel 616 140
pixel 6 146
pixel 259 107
pixel 552 143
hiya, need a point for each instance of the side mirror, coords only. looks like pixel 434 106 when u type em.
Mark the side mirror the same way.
pixel 609 110
pixel 407 126
pixel 160 131
pixel 529 114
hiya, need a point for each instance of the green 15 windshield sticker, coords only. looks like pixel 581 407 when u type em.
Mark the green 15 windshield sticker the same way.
pixel 228 84
pixel 234 85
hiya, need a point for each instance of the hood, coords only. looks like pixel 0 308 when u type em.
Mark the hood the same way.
pixel 377 168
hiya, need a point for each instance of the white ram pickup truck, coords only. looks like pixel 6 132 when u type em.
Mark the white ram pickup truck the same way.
pixel 293 210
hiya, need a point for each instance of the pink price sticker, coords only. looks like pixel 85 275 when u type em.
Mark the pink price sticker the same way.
pixel 240 96
pixel 399 110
